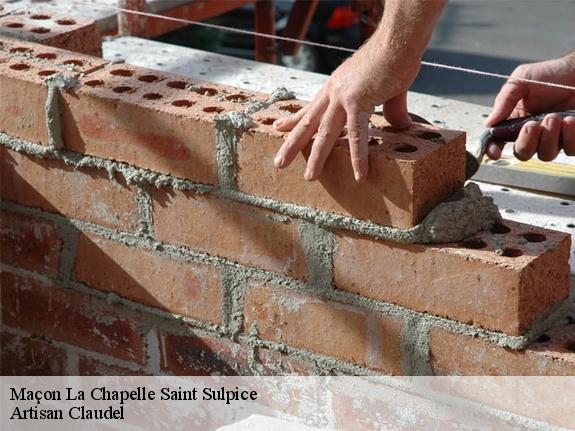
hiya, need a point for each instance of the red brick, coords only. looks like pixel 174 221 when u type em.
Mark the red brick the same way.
pixel 462 355
pixel 94 367
pixel 307 322
pixel 71 317
pixel 189 289
pixel 29 243
pixel 202 356
pixel 161 125
pixel 85 194
pixel 401 189
pixel 26 356
pixel 475 286
pixel 23 69
pixel 60 31
pixel 225 228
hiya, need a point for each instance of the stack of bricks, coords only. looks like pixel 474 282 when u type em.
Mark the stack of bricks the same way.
pixel 160 240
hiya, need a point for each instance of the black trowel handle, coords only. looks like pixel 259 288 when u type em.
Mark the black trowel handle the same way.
pixel 508 130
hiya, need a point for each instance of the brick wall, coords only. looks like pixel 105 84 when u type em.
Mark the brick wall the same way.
pixel 158 238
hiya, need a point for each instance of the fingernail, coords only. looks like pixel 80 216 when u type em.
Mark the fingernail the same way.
pixel 279 161
pixel 358 176
pixel 278 123
pixel 308 175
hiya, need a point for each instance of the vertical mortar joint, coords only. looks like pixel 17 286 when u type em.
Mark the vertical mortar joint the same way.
pixel 319 249
pixel 56 83
pixel 229 128
pixel 414 346
pixel 233 282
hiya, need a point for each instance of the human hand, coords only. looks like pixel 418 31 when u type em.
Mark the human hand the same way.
pixel 518 99
pixel 349 97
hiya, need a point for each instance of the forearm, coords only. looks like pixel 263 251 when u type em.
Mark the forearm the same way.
pixel 405 29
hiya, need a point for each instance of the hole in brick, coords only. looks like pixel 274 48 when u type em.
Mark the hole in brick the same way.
pixel 571 225
pixel 570 346
pixel 428 135
pixel 121 72
pixel 564 203
pixel 267 121
pixel 543 338
pixel 46 72
pixel 20 49
pixel 570 320
pixel 14 25
pixel 206 91
pixel 180 85
pixel 47 56
pixel 183 103
pixel 74 62
pixel 213 109
pixel 121 89
pixel 499 228
pixel 390 129
pixel 474 243
pixel 511 252
pixel 94 83
pixel 534 237
pixel 148 78
pixel 152 96
pixel 40 16
pixel 236 98
pixel 373 141
pixel 66 21
pixel 20 66
pixel 40 30
pixel 405 148
pixel 292 107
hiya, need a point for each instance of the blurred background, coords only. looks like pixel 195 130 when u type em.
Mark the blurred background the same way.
pixel 491 35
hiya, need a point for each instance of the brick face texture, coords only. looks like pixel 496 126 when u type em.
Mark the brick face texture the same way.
pixel 408 176
pixel 70 317
pixel 29 243
pixel 228 229
pixel 85 194
pixel 23 356
pixel 188 289
pixel 326 327
pixel 73 34
pixel 468 282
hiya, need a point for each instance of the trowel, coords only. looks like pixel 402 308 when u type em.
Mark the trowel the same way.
pixel 533 174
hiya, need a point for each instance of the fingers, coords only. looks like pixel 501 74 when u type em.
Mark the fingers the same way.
pixel 494 150
pixel 568 135
pixel 527 141
pixel 505 101
pixel 357 134
pixel 301 134
pixel 548 147
pixel 395 111
pixel 288 123
pixel 330 127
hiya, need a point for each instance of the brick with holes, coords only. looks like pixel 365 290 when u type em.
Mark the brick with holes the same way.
pixel 76 34
pixel 162 123
pixel 24 68
pixel 503 280
pixel 410 171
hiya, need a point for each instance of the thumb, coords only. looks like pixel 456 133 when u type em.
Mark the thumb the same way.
pixel 506 101
pixel 395 111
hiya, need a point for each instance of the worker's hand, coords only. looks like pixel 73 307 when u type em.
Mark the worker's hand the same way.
pixel 518 99
pixel 367 79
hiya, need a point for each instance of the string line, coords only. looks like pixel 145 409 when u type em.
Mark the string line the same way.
pixel 319 45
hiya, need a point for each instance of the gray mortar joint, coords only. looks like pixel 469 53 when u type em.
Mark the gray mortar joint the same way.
pixel 56 83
